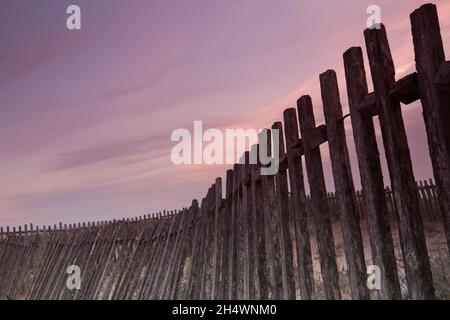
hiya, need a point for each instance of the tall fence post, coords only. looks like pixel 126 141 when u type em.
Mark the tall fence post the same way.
pixel 246 210
pixel 218 240
pixel 374 194
pixel 232 273
pixel 417 265
pixel 282 194
pixel 316 179
pixel 240 209
pixel 226 235
pixel 272 226
pixel 261 278
pixel 302 239
pixel 343 181
pixel 430 59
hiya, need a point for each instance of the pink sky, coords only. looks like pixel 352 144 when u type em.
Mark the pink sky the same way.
pixel 86 116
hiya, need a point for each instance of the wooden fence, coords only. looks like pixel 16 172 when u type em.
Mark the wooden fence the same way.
pixel 126 259
pixel 238 245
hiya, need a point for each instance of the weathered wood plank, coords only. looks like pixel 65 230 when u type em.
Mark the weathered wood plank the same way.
pixel 261 278
pixel 233 254
pixel 226 240
pixel 246 213
pixel 272 227
pixel 374 195
pixel 218 241
pixel 430 65
pixel 316 179
pixel 286 221
pixel 343 181
pixel 303 244
pixel 417 265
pixel 240 212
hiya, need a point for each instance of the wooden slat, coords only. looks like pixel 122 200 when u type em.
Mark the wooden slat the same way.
pixel 417 265
pixel 249 276
pixel 218 241
pixel 272 228
pixel 261 278
pixel 233 255
pixel 286 221
pixel 343 180
pixel 245 192
pixel 324 234
pixel 303 244
pixel 430 65
pixel 376 206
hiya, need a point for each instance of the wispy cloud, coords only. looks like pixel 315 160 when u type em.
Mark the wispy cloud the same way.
pixel 86 117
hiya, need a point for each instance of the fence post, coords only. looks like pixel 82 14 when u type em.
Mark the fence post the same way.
pixel 417 265
pixel 249 227
pixel 343 181
pixel 233 262
pixel 226 240
pixel 239 215
pixel 374 195
pixel 272 226
pixel 321 213
pixel 210 243
pixel 232 256
pixel 303 244
pixel 261 281
pixel 430 58
pixel 282 193
pixel 218 240
pixel 246 213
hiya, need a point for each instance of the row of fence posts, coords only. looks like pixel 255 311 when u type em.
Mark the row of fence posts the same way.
pixel 427 191
pixel 118 259
pixel 257 260
pixel 31 228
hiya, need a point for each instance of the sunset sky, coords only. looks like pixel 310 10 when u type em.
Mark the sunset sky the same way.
pixel 86 116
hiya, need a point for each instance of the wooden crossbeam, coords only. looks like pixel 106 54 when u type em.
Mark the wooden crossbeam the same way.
pixel 318 137
pixel 406 90
pixel 368 105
